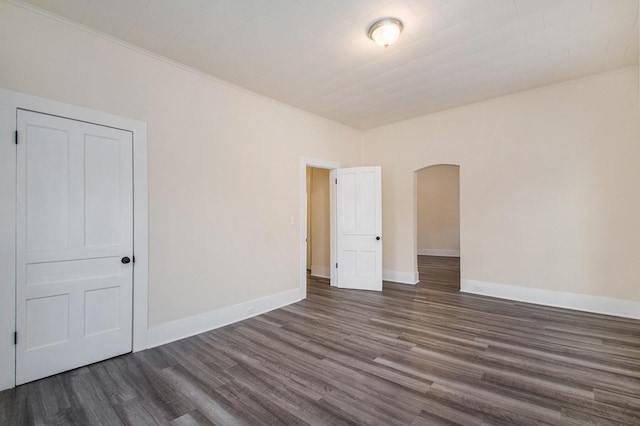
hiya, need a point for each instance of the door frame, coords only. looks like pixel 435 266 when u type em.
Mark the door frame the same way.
pixel 331 166
pixel 10 102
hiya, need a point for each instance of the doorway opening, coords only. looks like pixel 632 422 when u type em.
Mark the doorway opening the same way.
pixel 438 226
pixel 318 225
pixel 317 221
pixel 355 241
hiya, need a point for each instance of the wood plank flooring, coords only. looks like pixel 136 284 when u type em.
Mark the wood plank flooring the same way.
pixel 412 355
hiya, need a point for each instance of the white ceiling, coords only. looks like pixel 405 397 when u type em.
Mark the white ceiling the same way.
pixel 315 55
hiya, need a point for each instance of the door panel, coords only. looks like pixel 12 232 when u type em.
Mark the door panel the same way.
pixel 47 320
pixel 48 196
pixel 359 224
pixel 75 223
pixel 102 191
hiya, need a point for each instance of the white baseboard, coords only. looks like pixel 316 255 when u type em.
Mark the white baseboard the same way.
pixel 321 271
pixel 400 277
pixel 559 299
pixel 439 252
pixel 179 329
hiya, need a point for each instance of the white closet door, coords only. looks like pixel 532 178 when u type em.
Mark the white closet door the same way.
pixel 359 228
pixel 74 236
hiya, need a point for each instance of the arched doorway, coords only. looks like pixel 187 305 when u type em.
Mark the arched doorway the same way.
pixel 437 227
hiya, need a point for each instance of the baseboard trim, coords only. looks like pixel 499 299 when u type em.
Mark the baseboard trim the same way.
pixel 401 277
pixel 190 326
pixel 320 271
pixel 558 299
pixel 439 252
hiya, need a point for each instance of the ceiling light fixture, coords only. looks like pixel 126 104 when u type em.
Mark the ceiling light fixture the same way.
pixel 386 31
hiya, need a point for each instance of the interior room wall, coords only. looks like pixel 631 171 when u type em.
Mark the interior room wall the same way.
pixel 549 194
pixel 320 231
pixel 438 203
pixel 223 162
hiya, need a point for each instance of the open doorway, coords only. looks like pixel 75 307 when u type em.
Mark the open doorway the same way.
pixel 355 195
pixel 438 226
pixel 318 225
pixel 317 175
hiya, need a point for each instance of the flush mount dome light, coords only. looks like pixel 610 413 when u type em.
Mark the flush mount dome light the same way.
pixel 385 32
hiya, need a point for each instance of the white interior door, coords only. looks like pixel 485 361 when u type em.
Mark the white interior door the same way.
pixel 359 228
pixel 74 230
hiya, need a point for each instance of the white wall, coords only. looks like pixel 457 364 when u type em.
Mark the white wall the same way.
pixel 438 204
pixel 223 162
pixel 549 185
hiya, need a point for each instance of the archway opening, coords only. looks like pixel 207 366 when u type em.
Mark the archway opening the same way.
pixel 437 233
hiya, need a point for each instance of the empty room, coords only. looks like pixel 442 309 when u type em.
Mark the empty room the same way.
pixel 331 212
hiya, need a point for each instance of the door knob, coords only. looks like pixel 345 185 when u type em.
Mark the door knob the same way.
pixel 125 260
pixel 378 238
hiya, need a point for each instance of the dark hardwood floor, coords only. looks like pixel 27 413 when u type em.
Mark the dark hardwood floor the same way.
pixel 412 355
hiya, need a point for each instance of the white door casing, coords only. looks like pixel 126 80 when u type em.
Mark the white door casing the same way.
pixel 74 224
pixel 359 228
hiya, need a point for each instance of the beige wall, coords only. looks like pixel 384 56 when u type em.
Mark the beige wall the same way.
pixel 320 243
pixel 223 162
pixel 549 185
pixel 438 203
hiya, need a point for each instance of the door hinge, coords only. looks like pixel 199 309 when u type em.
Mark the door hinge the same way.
pixel 336 265
pixel 15 337
pixel 133 259
pixel 336 178
pixel 16 137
